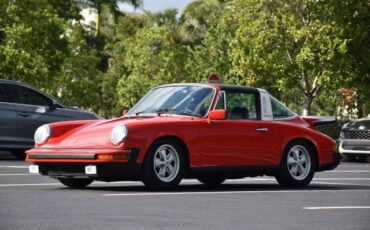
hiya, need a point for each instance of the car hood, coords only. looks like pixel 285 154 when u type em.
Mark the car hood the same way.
pixel 97 134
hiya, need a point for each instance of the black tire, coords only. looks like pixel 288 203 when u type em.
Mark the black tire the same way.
pixel 169 170
pixel 300 173
pixel 19 154
pixel 211 181
pixel 76 182
pixel 359 159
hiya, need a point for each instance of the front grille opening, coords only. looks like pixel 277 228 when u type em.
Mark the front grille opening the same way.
pixel 356 135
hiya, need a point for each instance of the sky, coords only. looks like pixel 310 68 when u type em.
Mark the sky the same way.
pixel 158 5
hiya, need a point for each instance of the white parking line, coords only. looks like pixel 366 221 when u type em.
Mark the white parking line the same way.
pixel 273 179
pixel 347 171
pixel 52 184
pixel 331 183
pixel 14 166
pixel 25 185
pixel 354 165
pixel 336 207
pixel 345 179
pixel 18 174
pixel 228 192
pixel 314 179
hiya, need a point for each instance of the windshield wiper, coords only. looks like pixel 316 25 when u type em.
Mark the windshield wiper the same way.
pixel 138 113
pixel 163 111
pixel 141 112
pixel 158 112
pixel 185 113
pixel 173 111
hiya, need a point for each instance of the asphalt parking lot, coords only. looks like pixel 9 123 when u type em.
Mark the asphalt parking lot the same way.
pixel 338 199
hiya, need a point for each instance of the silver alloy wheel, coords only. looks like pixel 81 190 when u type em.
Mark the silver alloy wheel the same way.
pixel 166 163
pixel 299 162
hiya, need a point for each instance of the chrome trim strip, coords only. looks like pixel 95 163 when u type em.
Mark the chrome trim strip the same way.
pixel 62 156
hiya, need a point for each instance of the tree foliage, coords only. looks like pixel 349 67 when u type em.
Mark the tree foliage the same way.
pixel 152 58
pixel 33 44
pixel 106 10
pixel 291 44
pixel 305 52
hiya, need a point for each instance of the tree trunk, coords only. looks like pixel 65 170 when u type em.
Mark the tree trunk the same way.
pixel 97 26
pixel 307 105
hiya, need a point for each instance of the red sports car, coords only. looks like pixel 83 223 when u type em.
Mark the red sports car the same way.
pixel 211 132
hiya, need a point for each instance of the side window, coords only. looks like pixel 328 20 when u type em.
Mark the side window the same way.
pixel 241 105
pixel 2 94
pixel 279 111
pixel 23 95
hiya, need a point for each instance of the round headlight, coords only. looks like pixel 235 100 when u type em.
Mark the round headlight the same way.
pixel 118 134
pixel 42 134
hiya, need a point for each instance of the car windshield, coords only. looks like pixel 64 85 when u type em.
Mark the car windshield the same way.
pixel 177 100
pixel 359 124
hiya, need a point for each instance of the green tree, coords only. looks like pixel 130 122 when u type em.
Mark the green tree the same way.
pixel 48 48
pixel 291 44
pixel 151 58
pixel 211 53
pixel 353 17
pixel 126 28
pixel 109 7
pixel 33 43
pixel 196 19
pixel 79 82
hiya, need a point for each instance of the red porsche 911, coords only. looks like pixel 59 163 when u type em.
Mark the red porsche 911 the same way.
pixel 211 132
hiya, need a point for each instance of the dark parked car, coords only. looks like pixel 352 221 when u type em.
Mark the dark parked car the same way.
pixel 355 140
pixel 23 109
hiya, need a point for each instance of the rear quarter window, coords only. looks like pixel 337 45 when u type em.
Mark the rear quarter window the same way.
pixel 279 111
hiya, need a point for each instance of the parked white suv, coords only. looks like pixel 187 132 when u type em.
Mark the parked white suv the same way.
pixel 355 140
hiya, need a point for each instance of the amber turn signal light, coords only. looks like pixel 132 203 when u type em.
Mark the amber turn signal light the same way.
pixel 334 147
pixel 112 157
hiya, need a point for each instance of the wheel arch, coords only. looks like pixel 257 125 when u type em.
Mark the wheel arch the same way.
pixel 305 140
pixel 179 141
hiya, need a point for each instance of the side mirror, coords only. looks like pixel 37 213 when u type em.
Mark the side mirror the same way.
pixel 218 114
pixel 124 112
pixel 53 105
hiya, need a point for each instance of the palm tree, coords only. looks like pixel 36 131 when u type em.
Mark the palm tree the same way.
pixel 111 6
pixel 194 20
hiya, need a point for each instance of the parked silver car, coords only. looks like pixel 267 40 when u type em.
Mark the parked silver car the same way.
pixel 23 109
pixel 355 140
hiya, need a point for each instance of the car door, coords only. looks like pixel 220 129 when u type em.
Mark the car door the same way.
pixel 33 109
pixel 8 119
pixel 241 140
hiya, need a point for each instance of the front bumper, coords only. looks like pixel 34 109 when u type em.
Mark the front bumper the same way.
pixel 104 171
pixel 39 155
pixel 354 147
pixel 336 160
pixel 98 164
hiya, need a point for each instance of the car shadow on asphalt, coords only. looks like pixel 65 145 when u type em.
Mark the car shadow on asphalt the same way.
pixel 228 187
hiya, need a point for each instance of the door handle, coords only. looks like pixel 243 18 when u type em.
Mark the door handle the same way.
pixel 262 129
pixel 23 114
